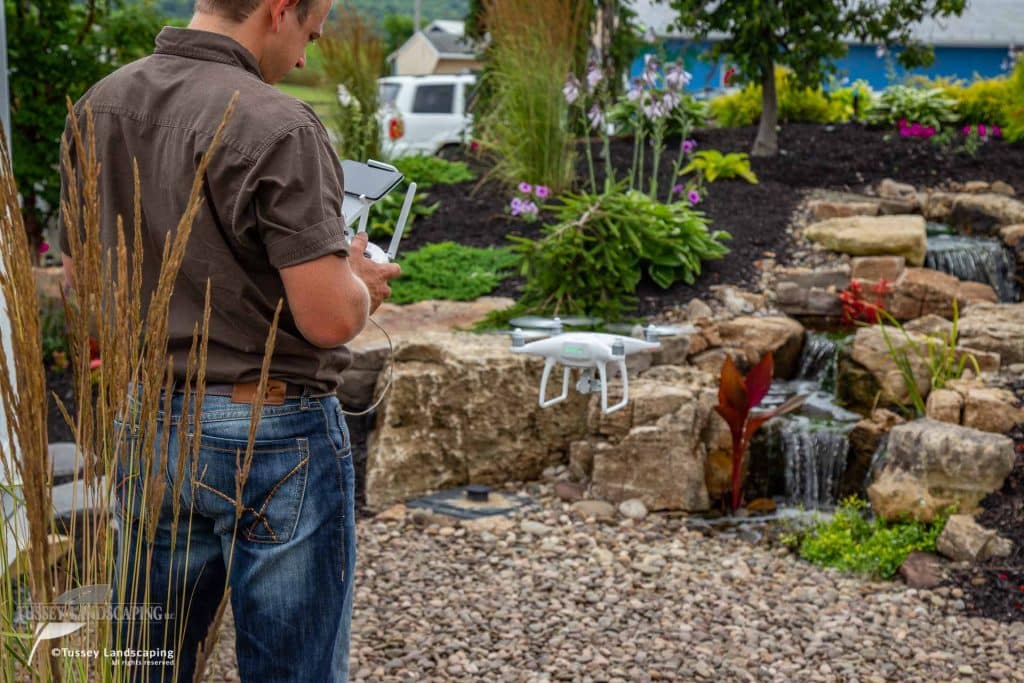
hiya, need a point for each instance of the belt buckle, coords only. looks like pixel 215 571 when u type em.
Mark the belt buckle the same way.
pixel 275 394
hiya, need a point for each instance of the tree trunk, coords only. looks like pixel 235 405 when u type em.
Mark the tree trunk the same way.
pixel 767 142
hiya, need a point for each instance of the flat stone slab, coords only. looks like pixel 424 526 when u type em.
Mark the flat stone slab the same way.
pixel 412 320
pixel 873 236
pixel 64 462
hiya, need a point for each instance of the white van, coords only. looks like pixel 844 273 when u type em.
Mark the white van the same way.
pixel 424 114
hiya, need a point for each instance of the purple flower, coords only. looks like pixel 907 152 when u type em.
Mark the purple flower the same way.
pixel 997 132
pixel 653 110
pixel 677 189
pixel 530 207
pixel 542 191
pixel 928 132
pixel 688 146
pixel 669 101
pixel 694 197
pixel 967 130
pixel 676 78
pixel 525 188
pixel 596 117
pixel 594 76
pixel 635 90
pixel 571 89
pixel 904 132
pixel 982 130
pixel 651 67
pixel 516 207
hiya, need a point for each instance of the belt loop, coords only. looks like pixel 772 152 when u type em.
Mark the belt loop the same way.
pixel 304 400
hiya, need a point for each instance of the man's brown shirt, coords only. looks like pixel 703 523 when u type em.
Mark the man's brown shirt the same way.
pixel 272 198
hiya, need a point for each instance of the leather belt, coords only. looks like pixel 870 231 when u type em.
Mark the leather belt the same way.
pixel 246 392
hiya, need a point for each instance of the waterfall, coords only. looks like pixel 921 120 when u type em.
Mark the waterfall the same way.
pixel 975 259
pixel 817 357
pixel 811 454
pixel 815 460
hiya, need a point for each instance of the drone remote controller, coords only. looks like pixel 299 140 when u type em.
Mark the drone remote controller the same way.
pixel 365 184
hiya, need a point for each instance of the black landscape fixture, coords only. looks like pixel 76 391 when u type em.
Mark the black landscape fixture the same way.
pixel 478 493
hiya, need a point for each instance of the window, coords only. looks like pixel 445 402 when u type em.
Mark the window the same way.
pixel 434 99
pixel 389 92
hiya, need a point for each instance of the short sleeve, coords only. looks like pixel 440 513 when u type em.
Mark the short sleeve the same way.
pixel 296 189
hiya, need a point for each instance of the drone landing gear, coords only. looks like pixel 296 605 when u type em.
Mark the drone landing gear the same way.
pixel 586 384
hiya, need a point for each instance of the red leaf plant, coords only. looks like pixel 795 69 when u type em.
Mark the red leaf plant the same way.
pixel 856 307
pixel 737 398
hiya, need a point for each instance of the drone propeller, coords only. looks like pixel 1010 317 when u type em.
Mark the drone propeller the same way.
pixel 525 334
pixel 538 322
pixel 650 332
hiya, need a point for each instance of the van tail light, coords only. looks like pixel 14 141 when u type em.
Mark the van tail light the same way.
pixel 395 129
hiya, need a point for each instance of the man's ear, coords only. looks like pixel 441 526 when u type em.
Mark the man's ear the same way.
pixel 278 8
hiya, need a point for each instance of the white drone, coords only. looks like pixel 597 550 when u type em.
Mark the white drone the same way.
pixel 590 352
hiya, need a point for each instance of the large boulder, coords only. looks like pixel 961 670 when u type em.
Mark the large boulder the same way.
pixel 660 463
pixel 931 465
pixel 870 351
pixel 964 540
pixel 998 328
pixel 873 236
pixel 756 336
pixel 985 213
pixel 922 291
pixel 463 409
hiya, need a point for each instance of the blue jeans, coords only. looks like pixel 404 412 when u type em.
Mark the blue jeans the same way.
pixel 289 559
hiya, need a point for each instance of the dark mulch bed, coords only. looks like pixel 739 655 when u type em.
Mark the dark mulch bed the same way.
pixel 995 589
pixel 61 383
pixel 846 158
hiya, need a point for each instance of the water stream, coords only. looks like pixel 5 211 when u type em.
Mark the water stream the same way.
pixel 805 453
pixel 976 259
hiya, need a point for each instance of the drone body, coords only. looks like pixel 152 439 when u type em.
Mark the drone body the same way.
pixel 588 351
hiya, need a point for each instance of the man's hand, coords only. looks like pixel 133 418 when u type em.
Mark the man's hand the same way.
pixel 374 275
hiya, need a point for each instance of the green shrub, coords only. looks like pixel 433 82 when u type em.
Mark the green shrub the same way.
pixel 1014 130
pixel 353 57
pixel 385 213
pixel 712 165
pixel 591 260
pixel 929 107
pixel 426 170
pixel 983 101
pixel 451 271
pixel 532 48
pixel 851 542
pixel 740 108
pixel 796 104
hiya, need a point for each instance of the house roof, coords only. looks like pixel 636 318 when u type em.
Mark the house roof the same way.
pixel 447 38
pixel 984 23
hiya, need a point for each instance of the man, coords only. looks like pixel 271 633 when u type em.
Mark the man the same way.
pixel 270 227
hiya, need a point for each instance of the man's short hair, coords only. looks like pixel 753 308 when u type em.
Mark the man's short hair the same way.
pixel 239 10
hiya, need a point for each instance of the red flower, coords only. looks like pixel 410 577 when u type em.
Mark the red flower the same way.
pixel 730 73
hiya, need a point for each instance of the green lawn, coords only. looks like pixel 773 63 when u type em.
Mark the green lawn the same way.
pixel 321 99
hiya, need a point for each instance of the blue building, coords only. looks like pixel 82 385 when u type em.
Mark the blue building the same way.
pixel 976 44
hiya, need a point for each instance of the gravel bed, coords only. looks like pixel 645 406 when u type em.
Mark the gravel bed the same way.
pixel 548 596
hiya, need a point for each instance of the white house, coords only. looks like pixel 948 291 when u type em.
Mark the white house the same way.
pixel 440 48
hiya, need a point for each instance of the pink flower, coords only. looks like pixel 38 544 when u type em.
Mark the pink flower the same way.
pixel 694 197
pixel 928 132
pixel 904 132
pixel 525 188
pixel 997 132
pixel 981 130
pixel 542 191
pixel 43 247
pixel 688 146
pixel 967 130
pixel 916 129
pixel 677 189
pixel 95 364
pixel 903 123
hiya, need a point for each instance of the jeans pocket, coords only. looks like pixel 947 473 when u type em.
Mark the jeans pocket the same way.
pixel 337 429
pixel 271 495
